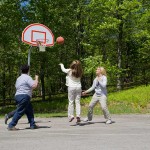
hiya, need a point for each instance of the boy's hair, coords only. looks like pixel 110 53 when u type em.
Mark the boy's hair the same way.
pixel 25 69
pixel 76 68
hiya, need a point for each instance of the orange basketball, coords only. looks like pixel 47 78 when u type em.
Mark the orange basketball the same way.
pixel 60 40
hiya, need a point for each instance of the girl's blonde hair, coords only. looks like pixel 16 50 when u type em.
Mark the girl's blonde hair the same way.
pixel 103 71
pixel 76 68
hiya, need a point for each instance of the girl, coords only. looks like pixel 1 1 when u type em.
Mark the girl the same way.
pixel 100 95
pixel 73 81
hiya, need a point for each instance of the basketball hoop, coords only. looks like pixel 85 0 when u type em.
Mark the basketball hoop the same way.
pixel 41 43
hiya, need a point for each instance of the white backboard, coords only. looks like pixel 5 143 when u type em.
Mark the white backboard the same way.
pixel 39 32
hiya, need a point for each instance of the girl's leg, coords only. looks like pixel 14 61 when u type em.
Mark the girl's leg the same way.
pixel 77 102
pixel 71 98
pixel 91 106
pixel 103 102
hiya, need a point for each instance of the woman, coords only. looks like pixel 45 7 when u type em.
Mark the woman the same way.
pixel 73 81
pixel 24 86
pixel 100 95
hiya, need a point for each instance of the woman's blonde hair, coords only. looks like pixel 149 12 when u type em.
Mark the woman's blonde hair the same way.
pixel 103 71
pixel 76 68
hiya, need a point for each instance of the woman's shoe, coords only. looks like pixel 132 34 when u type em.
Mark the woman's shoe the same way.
pixel 6 118
pixel 70 119
pixel 109 122
pixel 12 129
pixel 78 119
pixel 34 127
pixel 86 120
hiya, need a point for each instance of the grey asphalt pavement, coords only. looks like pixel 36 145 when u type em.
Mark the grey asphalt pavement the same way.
pixel 128 132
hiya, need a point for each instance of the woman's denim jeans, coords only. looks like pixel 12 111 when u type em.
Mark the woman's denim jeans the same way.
pixel 23 107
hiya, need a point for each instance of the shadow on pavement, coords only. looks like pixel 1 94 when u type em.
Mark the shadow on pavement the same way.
pixel 39 121
pixel 89 123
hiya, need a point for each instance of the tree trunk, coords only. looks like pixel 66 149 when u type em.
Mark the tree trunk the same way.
pixel 120 36
pixel 104 52
pixel 4 87
pixel 80 30
pixel 42 83
pixel 119 50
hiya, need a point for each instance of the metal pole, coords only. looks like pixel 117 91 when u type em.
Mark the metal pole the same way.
pixel 29 56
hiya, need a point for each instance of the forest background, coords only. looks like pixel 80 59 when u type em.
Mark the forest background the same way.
pixel 110 33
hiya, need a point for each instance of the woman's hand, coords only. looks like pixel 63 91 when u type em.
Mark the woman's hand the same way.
pixel 99 78
pixel 36 77
pixel 83 93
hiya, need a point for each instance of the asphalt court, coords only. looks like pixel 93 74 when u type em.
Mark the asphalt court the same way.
pixel 127 132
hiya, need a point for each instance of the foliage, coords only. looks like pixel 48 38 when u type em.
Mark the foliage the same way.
pixel 114 34
pixel 91 63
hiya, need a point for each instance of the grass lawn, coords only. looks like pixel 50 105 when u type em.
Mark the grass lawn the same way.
pixel 136 100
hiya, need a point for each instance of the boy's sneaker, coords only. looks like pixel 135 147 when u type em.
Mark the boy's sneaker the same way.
pixel 12 129
pixel 86 120
pixel 70 119
pixel 78 119
pixel 109 122
pixel 6 118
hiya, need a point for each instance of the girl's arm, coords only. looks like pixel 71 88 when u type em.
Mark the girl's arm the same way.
pixel 63 68
pixel 91 88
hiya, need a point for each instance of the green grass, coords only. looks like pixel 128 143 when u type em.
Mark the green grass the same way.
pixel 136 100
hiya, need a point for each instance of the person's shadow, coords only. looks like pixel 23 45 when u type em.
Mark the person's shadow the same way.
pixel 38 121
pixel 39 127
pixel 90 123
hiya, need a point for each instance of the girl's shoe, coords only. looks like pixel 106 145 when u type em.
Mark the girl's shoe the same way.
pixel 109 121
pixel 86 120
pixel 78 119
pixel 70 119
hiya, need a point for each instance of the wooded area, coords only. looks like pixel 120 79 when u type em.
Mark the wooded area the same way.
pixel 113 33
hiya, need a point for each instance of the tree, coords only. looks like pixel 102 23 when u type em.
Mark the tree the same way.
pixel 112 26
pixel 10 27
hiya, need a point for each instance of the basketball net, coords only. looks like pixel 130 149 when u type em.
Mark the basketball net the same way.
pixel 41 45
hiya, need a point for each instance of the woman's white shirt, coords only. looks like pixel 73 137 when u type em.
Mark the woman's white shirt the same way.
pixel 71 81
